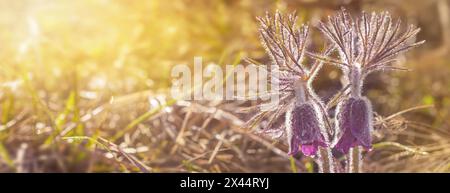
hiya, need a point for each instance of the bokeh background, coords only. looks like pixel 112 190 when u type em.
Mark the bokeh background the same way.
pixel 84 87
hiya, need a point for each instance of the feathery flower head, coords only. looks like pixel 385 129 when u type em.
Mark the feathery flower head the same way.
pixel 371 42
pixel 284 41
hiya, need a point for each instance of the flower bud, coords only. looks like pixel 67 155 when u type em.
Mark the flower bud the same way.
pixel 303 128
pixel 354 123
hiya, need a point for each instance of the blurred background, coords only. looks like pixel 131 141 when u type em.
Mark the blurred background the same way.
pixel 84 87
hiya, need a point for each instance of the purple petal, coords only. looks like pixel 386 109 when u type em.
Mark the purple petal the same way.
pixel 305 123
pixel 293 145
pixel 342 123
pixel 303 128
pixel 309 150
pixel 361 121
pixel 354 119
pixel 346 142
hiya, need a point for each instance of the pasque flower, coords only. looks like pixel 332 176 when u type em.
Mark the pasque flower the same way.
pixel 285 43
pixel 365 45
pixel 304 124
pixel 354 119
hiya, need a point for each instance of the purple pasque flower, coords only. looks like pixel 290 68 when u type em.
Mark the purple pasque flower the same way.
pixel 354 123
pixel 303 128
pixel 365 44
pixel 285 43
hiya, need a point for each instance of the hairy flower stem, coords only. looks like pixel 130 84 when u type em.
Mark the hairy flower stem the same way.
pixel 328 164
pixel 326 155
pixel 325 160
pixel 354 160
pixel 319 161
pixel 356 81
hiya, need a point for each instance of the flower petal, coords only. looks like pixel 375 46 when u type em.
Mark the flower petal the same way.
pixel 305 123
pixel 361 121
pixel 303 127
pixel 346 142
pixel 293 145
pixel 309 150
pixel 344 123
